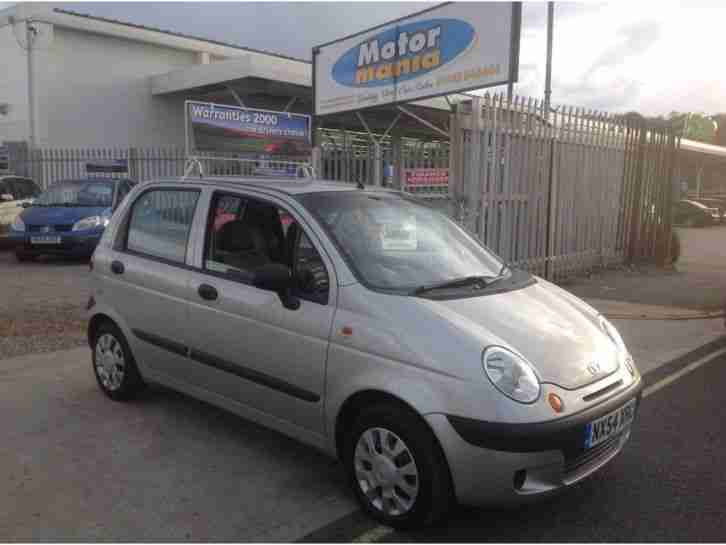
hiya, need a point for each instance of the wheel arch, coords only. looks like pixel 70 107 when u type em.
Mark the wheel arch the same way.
pixel 360 400
pixel 94 323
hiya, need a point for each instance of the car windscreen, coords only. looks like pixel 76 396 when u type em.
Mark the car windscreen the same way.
pixel 394 243
pixel 78 193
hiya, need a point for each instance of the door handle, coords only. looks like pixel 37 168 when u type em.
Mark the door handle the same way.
pixel 207 292
pixel 117 267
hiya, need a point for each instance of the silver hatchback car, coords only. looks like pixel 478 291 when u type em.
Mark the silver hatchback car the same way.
pixel 365 324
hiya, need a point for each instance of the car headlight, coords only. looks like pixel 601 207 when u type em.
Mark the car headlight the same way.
pixel 17 224
pixel 90 223
pixel 511 374
pixel 611 332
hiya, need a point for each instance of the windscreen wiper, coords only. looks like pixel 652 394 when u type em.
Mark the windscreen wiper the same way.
pixel 482 281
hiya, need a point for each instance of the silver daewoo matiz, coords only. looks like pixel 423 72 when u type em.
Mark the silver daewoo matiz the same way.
pixel 368 325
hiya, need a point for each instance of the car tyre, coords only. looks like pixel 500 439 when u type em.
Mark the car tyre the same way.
pixel 397 468
pixel 114 365
pixel 23 257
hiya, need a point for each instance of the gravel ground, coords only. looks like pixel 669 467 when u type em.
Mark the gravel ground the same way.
pixel 41 305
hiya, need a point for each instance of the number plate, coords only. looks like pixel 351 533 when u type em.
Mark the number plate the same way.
pixel 611 424
pixel 48 239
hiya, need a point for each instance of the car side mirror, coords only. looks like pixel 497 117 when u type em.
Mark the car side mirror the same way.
pixel 276 277
pixel 6 197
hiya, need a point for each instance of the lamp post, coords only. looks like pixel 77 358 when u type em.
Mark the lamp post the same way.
pixel 548 68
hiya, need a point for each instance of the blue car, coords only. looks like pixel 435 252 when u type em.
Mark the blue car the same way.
pixel 68 218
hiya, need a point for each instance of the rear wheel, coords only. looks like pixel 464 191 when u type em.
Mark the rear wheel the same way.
pixel 397 469
pixel 114 365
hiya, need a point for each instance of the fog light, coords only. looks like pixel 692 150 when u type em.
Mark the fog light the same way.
pixel 519 478
pixel 556 403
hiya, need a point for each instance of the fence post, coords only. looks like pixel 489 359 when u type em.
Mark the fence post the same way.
pixel 317 162
pixel 134 170
pixel 551 213
pixel 637 194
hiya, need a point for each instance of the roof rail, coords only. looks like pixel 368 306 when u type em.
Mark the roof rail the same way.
pixel 247 168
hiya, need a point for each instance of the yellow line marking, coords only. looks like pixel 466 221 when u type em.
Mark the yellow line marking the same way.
pixel 374 534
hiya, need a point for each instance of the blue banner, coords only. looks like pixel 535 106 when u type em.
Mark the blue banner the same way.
pixel 259 133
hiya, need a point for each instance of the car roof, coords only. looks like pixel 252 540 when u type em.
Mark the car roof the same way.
pixel 91 179
pixel 296 186
pixel 695 203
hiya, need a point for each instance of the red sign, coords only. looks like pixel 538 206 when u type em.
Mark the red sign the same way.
pixel 426 176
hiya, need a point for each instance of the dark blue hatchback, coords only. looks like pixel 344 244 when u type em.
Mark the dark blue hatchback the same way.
pixel 68 218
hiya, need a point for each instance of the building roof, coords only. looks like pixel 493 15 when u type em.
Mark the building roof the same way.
pixel 177 34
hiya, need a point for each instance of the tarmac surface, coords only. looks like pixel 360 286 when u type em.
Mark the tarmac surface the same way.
pixel 667 485
pixel 75 466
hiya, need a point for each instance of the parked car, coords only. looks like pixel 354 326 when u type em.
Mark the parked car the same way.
pixel 690 213
pixel 15 193
pixel 373 328
pixel 68 218
pixel 719 204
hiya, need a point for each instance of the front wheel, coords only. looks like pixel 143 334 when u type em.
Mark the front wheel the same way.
pixel 114 365
pixel 397 469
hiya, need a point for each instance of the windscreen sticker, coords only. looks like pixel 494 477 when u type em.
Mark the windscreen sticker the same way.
pixel 400 235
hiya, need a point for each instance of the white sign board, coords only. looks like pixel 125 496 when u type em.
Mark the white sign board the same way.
pixel 446 49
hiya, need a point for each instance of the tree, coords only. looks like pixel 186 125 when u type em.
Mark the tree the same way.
pixel 697 126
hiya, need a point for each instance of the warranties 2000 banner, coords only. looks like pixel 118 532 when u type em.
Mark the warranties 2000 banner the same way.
pixel 229 129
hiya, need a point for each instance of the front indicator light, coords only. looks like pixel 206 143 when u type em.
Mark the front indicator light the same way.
pixel 556 403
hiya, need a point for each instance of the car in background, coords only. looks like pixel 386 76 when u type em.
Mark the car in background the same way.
pixel 16 192
pixel 68 218
pixel 689 213
pixel 713 202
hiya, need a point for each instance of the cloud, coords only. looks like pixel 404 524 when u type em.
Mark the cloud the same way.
pixel 618 56
pixel 289 28
pixel 633 40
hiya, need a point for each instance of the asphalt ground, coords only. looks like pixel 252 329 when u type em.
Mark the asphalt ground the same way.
pixel 697 281
pixel 668 484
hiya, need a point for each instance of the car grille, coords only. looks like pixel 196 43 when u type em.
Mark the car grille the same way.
pixel 61 228
pixel 584 462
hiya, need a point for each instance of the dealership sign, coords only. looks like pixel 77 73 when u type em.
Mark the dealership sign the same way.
pixel 446 49
pixel 248 132
pixel 425 177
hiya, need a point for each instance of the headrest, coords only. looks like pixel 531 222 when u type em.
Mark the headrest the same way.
pixel 237 236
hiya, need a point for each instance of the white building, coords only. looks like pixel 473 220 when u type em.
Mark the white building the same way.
pixel 100 83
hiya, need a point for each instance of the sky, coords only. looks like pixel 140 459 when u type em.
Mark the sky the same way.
pixel 648 56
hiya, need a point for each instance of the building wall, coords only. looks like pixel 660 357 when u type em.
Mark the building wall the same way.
pixel 13 87
pixel 94 91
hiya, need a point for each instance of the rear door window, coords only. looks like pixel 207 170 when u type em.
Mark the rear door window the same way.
pixel 160 222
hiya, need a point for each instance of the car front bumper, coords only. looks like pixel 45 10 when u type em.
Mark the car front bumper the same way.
pixel 506 464
pixel 81 243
